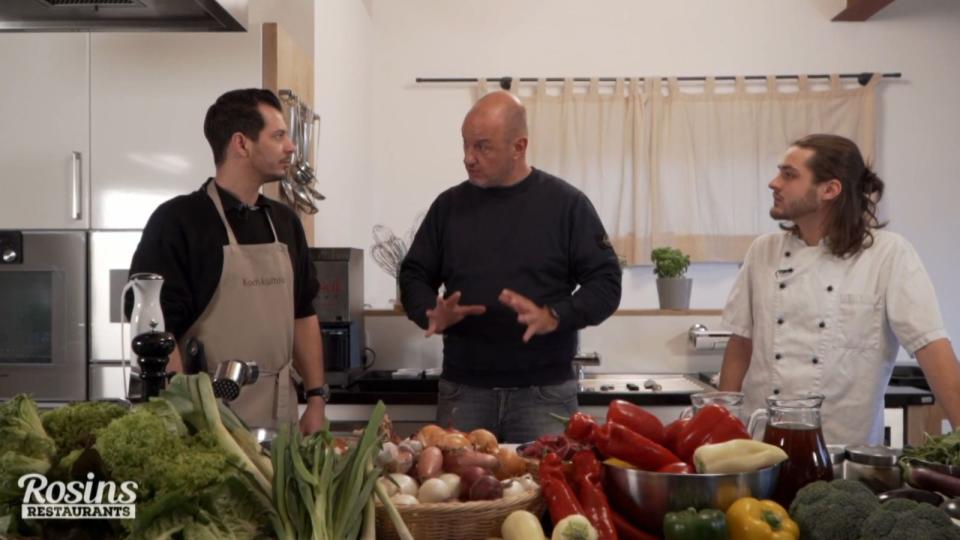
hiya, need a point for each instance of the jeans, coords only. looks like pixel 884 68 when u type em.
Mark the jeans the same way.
pixel 514 415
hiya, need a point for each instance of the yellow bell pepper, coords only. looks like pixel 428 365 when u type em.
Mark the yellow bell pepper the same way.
pixel 750 519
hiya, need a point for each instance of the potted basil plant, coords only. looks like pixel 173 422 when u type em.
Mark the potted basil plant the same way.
pixel 670 265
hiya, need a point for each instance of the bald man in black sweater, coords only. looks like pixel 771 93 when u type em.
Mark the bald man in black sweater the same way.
pixel 526 263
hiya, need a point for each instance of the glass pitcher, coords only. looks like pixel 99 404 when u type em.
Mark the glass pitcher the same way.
pixel 731 401
pixel 793 424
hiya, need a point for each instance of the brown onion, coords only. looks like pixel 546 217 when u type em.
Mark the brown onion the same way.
pixel 484 441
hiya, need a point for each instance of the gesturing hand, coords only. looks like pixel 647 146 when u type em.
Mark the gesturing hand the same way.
pixel 449 312
pixel 539 320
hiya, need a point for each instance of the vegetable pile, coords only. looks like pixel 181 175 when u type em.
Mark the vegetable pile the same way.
pixel 438 466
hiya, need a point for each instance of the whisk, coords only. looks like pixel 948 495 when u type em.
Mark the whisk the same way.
pixel 388 250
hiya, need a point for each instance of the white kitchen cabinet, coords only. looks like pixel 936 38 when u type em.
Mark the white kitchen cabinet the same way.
pixel 45 155
pixel 149 95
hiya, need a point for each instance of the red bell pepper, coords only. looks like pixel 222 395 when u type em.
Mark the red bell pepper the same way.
pixel 637 419
pixel 615 440
pixel 560 497
pixel 580 426
pixel 712 424
pixel 671 433
pixel 596 507
pixel 677 468
pixel 629 531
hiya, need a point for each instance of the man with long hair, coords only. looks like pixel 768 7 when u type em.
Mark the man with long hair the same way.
pixel 822 306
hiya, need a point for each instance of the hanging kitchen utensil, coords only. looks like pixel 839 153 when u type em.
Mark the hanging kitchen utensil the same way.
pixel 303 200
pixel 317 196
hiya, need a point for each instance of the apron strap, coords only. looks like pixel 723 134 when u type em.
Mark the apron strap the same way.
pixel 212 192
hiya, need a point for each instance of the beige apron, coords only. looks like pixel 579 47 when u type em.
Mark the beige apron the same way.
pixel 250 318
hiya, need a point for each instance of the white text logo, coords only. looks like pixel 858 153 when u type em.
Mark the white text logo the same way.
pixel 77 500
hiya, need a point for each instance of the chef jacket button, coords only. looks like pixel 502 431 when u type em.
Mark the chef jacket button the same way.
pixel 783 285
pixel 778 356
pixel 816 360
pixel 823 324
pixel 776 391
pixel 829 288
pixel 780 321
pixel 787 254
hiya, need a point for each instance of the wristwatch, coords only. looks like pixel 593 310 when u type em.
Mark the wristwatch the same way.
pixel 322 391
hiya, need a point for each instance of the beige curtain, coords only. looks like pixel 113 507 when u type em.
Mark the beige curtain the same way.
pixel 688 168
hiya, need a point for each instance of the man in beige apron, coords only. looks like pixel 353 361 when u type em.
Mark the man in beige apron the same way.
pixel 250 309
pixel 256 285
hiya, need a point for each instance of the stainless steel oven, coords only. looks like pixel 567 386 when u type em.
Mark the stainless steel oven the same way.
pixel 43 314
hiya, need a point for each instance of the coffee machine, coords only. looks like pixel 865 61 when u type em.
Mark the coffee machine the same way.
pixel 339 306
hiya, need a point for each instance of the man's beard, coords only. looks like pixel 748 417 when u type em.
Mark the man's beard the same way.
pixel 798 209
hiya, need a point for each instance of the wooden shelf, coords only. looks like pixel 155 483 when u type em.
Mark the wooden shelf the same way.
pixel 619 313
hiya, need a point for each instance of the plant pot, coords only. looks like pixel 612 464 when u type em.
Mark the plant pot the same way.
pixel 674 293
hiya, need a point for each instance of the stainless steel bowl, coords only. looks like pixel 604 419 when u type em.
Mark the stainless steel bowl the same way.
pixel 645 497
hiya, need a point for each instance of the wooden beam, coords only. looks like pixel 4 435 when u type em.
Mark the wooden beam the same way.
pixel 287 67
pixel 861 10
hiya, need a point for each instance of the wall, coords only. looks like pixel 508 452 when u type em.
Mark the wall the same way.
pixel 343 63
pixel 412 148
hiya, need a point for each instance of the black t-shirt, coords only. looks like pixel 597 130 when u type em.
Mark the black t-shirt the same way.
pixel 183 242
pixel 541 238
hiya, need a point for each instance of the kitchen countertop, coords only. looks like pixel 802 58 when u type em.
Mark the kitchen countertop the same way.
pixel 423 391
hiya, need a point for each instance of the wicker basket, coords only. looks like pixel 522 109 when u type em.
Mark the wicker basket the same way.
pixel 477 520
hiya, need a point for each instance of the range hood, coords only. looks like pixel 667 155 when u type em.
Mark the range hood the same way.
pixel 123 15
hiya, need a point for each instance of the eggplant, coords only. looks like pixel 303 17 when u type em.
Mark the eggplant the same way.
pixel 952 507
pixel 923 477
pixel 918 495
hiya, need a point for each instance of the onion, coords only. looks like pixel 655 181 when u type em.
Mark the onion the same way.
pixel 434 490
pixel 528 482
pixel 388 486
pixel 453 481
pixel 512 488
pixel 430 463
pixel 511 464
pixel 487 488
pixel 454 441
pixel 405 484
pixel 430 435
pixel 483 441
pixel 404 500
pixel 468 477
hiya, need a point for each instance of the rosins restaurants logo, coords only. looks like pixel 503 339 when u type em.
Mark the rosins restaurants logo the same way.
pixel 91 499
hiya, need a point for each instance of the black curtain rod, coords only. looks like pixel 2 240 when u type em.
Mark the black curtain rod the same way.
pixel 505 82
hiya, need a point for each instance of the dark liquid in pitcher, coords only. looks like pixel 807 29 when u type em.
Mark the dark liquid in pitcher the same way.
pixel 808 458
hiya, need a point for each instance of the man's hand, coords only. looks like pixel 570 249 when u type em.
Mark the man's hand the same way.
pixel 313 418
pixel 539 320
pixel 449 312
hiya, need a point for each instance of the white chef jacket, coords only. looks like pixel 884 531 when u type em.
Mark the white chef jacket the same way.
pixel 829 325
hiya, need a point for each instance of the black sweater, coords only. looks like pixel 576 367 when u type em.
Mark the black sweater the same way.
pixel 541 238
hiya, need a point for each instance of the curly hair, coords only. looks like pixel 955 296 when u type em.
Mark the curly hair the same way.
pixel 853 214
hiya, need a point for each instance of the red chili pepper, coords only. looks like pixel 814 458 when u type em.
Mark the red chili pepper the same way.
pixel 629 531
pixel 615 440
pixel 671 433
pixel 560 497
pixel 677 468
pixel 712 424
pixel 637 419
pixel 596 507
pixel 580 426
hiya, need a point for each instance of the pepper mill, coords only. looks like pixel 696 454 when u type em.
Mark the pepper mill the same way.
pixel 153 353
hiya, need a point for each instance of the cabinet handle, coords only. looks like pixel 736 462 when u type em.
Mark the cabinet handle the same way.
pixel 77 185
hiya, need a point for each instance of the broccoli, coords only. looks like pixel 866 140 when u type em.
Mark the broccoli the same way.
pixel 21 430
pixel 832 510
pixel 903 519
pixel 74 426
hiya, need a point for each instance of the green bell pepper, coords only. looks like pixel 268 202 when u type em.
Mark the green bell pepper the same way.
pixel 689 524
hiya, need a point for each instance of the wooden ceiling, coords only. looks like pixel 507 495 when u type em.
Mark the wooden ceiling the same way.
pixel 861 10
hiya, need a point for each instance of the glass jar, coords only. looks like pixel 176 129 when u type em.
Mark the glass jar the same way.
pixel 874 466
pixel 838 454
